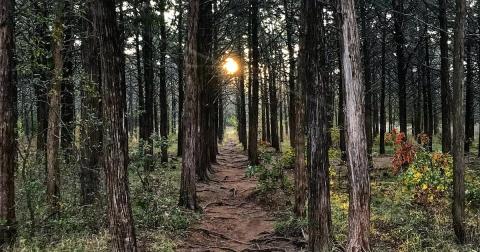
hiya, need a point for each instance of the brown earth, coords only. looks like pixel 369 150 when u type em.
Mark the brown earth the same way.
pixel 232 219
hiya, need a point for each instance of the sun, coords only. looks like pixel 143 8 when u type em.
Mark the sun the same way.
pixel 231 66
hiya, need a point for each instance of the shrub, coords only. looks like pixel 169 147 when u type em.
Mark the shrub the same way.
pixel 287 161
pixel 429 176
pixel 404 152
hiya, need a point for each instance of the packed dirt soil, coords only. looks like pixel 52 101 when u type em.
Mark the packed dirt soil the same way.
pixel 232 220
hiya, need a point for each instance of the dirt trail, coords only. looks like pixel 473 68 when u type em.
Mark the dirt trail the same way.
pixel 232 220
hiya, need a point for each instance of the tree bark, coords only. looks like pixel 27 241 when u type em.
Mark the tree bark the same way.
pixel 289 17
pixel 383 121
pixel 359 196
pixel 398 17
pixel 68 85
pixel 458 207
pixel 300 169
pixel 188 191
pixel 444 77
pixel 115 142
pixel 54 113
pixel 180 72
pixel 253 113
pixel 91 129
pixel 148 75
pixel 41 89
pixel 367 74
pixel 319 208
pixel 243 113
pixel 205 39
pixel 163 84
pixel 8 121
pixel 469 106
pixel 273 110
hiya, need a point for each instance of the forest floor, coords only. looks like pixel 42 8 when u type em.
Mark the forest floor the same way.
pixel 233 220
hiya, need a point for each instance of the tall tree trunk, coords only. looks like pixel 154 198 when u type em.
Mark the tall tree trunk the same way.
pixel 274 110
pixel 8 121
pixel 470 91
pixel 243 113
pixel 91 113
pixel 148 75
pixel 115 142
pixel 68 86
pixel 204 55
pixel 253 113
pixel 264 106
pixel 429 91
pixel 221 125
pixel 141 90
pixel 289 19
pixel 458 208
pixel 300 169
pixel 54 113
pixel 478 60
pixel 444 76
pixel 367 74
pixel 41 89
pixel 383 122
pixel 398 17
pixel 188 191
pixel 359 196
pixel 280 109
pixel 319 209
pixel 163 84
pixel 180 72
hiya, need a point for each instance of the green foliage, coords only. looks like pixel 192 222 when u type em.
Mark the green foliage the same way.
pixel 273 179
pixel 290 226
pixel 287 159
pixel 252 170
pixel 231 122
pixel 335 136
pixel 334 154
pixel 472 194
pixel 271 173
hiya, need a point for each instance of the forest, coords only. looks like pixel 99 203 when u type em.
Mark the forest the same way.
pixel 240 125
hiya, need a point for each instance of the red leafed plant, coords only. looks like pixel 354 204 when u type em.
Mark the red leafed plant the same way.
pixel 404 153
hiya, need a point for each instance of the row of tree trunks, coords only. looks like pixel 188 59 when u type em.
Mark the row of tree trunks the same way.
pixel 8 120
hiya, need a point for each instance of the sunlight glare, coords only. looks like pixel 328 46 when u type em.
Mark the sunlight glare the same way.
pixel 231 66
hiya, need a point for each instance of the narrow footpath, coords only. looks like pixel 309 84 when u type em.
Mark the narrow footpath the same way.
pixel 232 219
